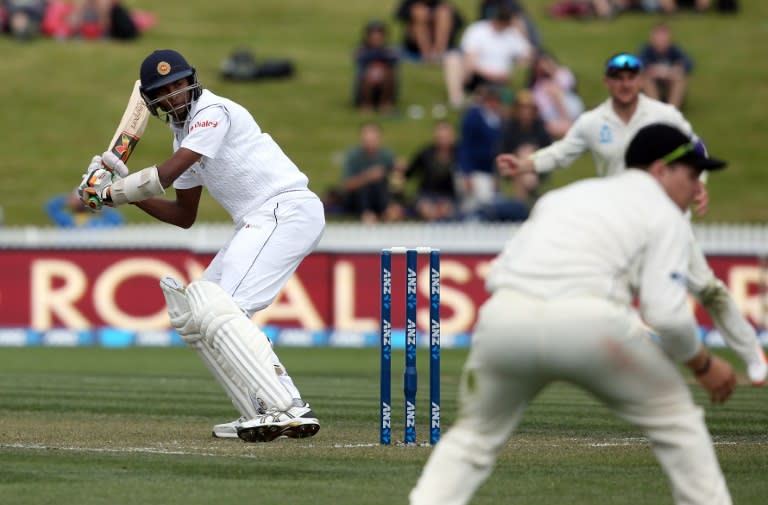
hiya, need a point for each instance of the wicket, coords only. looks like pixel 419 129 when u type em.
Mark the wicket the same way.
pixel 410 374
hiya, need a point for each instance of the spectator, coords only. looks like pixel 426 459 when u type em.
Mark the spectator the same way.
pixel 522 20
pixel 554 90
pixel 376 76
pixel 437 165
pixel 91 20
pixel 586 9
pixel 68 211
pixel 523 189
pixel 524 126
pixel 672 6
pixel 490 49
pixel 366 179
pixel 23 18
pixel 480 142
pixel 522 133
pixel 667 67
pixel 431 28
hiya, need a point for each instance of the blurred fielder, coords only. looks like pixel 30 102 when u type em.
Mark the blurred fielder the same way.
pixel 278 221
pixel 561 309
pixel 605 132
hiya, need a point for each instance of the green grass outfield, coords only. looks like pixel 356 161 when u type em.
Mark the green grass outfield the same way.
pixel 62 100
pixel 132 426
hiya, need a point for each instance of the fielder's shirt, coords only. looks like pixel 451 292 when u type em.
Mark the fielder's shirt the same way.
pixel 606 136
pixel 607 238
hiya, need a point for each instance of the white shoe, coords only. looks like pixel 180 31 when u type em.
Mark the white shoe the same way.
pixel 757 369
pixel 227 430
pixel 296 422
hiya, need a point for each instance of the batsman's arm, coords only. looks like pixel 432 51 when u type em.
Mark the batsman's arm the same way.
pixel 151 181
pixel 181 212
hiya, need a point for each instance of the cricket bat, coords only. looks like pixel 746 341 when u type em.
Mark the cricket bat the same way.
pixel 131 126
pixel 128 132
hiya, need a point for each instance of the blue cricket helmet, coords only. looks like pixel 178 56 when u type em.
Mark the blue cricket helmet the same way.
pixel 163 67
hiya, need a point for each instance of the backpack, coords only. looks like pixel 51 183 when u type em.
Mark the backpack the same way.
pixel 241 65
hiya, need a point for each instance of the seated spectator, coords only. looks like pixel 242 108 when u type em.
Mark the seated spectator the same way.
pixel 586 9
pixel 490 50
pixel 437 165
pixel 479 144
pixel 524 127
pixel 68 211
pixel 525 186
pixel 554 91
pixel 92 20
pixel 667 67
pixel 376 78
pixel 431 28
pixel 521 20
pixel 523 133
pixel 672 6
pixel 368 168
pixel 23 18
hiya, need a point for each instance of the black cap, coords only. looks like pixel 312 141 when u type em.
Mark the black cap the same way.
pixel 660 141
pixel 162 67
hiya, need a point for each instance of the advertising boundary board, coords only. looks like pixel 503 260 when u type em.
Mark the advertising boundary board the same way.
pixel 109 297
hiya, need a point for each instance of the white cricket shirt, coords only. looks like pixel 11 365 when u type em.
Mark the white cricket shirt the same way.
pixel 607 238
pixel 495 51
pixel 606 136
pixel 241 166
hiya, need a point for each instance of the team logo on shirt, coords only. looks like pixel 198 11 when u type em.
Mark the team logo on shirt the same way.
pixel 606 137
pixel 679 278
pixel 203 124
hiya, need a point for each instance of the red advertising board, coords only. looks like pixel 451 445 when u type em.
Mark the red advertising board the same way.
pixel 81 289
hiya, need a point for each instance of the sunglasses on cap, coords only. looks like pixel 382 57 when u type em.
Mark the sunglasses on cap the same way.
pixel 679 152
pixel 623 61
pixel 694 153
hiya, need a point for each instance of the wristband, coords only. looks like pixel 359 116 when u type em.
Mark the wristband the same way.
pixel 705 368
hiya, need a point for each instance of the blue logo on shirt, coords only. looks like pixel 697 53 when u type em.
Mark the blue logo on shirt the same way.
pixel 606 137
pixel 680 278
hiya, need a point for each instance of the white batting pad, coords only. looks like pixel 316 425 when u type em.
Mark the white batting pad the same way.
pixel 178 309
pixel 242 346
pixel 181 319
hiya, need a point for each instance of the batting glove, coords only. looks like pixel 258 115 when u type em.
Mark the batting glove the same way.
pixel 96 187
pixel 114 164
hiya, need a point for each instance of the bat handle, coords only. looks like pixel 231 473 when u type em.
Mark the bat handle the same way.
pixel 122 170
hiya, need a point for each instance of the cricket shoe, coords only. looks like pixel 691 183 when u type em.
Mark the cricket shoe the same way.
pixel 296 422
pixel 227 430
pixel 757 368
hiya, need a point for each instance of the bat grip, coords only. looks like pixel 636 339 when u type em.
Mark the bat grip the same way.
pixel 121 169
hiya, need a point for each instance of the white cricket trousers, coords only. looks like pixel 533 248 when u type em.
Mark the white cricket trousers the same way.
pixel 521 344
pixel 262 254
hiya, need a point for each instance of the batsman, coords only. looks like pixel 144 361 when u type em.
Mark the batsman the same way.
pixel 278 221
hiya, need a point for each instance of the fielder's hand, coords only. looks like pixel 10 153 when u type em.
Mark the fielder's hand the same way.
pixel 510 165
pixel 717 377
pixel 701 201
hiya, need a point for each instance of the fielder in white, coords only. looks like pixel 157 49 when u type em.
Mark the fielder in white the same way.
pixel 605 132
pixel 278 222
pixel 561 310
